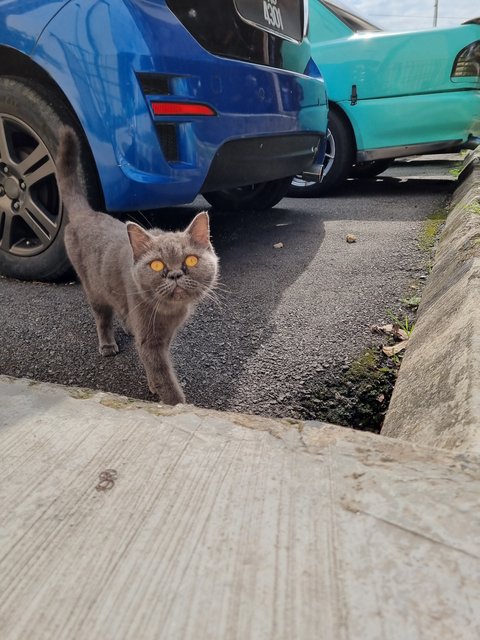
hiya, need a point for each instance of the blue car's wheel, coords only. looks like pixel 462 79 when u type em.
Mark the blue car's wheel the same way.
pixel 256 197
pixel 31 214
pixel 339 154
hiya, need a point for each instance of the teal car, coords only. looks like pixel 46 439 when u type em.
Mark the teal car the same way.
pixel 391 94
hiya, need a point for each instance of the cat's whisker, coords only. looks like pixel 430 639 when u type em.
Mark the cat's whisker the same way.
pixel 215 299
pixel 213 289
pixel 226 291
pixel 137 306
pixel 154 314
pixel 147 224
pixel 153 317
pixel 164 290
pixel 212 296
pixel 154 290
pixel 220 285
pixel 220 290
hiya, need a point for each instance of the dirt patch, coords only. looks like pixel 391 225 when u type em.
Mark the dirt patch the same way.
pixel 357 397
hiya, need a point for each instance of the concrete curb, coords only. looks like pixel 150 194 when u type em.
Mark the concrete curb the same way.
pixel 127 520
pixel 436 400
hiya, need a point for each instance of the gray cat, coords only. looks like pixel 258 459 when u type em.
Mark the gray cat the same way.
pixel 150 279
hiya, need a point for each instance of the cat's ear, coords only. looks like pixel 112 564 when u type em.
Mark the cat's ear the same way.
pixel 140 240
pixel 199 229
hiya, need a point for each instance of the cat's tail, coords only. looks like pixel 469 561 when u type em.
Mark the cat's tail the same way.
pixel 68 161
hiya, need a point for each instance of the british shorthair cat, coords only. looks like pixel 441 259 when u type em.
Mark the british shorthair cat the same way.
pixel 151 280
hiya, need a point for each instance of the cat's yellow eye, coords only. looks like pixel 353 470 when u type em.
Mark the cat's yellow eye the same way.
pixel 157 265
pixel 191 261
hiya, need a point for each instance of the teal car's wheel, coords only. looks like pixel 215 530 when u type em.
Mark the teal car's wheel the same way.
pixel 255 197
pixel 370 169
pixel 337 166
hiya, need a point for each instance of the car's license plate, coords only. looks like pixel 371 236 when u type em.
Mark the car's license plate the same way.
pixel 285 18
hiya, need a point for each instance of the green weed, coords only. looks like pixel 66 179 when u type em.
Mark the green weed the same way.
pixel 431 229
pixel 405 324
pixel 412 302
pixel 474 208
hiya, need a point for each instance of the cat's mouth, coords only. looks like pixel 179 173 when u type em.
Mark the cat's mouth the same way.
pixel 178 293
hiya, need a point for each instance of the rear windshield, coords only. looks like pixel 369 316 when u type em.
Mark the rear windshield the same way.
pixel 353 22
pixel 217 26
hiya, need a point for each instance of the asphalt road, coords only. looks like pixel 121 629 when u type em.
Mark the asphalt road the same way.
pixel 285 315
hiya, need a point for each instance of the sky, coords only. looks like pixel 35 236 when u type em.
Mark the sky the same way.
pixel 399 15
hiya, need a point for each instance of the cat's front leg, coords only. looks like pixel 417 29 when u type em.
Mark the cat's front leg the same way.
pixel 125 324
pixel 161 377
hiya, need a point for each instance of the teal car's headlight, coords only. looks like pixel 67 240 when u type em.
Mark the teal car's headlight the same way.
pixel 467 62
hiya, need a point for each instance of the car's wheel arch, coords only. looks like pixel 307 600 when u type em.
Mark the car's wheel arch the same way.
pixel 334 106
pixel 15 64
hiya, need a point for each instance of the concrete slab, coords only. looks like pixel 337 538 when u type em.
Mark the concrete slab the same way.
pixel 436 400
pixel 129 520
pixel 436 167
pixel 435 158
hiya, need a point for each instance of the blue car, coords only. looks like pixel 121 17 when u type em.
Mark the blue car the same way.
pixel 169 99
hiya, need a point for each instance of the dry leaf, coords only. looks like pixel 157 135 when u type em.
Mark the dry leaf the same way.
pixel 391 351
pixel 383 328
pixel 391 330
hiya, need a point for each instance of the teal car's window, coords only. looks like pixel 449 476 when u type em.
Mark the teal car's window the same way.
pixel 353 22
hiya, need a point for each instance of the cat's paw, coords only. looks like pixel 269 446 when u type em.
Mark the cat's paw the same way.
pixel 173 398
pixel 109 349
pixel 168 396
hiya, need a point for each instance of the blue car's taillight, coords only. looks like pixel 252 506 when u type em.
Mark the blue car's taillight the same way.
pixel 181 109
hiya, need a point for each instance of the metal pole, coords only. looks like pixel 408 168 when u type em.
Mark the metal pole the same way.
pixel 435 13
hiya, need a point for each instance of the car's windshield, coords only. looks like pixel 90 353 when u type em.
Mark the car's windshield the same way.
pixel 354 22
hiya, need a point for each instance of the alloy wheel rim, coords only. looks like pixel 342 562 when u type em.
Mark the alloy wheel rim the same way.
pixel 298 181
pixel 30 204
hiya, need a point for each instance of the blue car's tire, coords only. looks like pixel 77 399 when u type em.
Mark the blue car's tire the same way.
pixel 256 197
pixel 337 165
pixel 32 220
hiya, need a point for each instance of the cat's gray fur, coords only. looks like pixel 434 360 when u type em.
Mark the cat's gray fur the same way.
pixel 112 260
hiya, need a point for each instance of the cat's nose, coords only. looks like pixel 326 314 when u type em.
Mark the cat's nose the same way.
pixel 175 274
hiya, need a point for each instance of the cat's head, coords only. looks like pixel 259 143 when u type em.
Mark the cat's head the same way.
pixel 178 267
